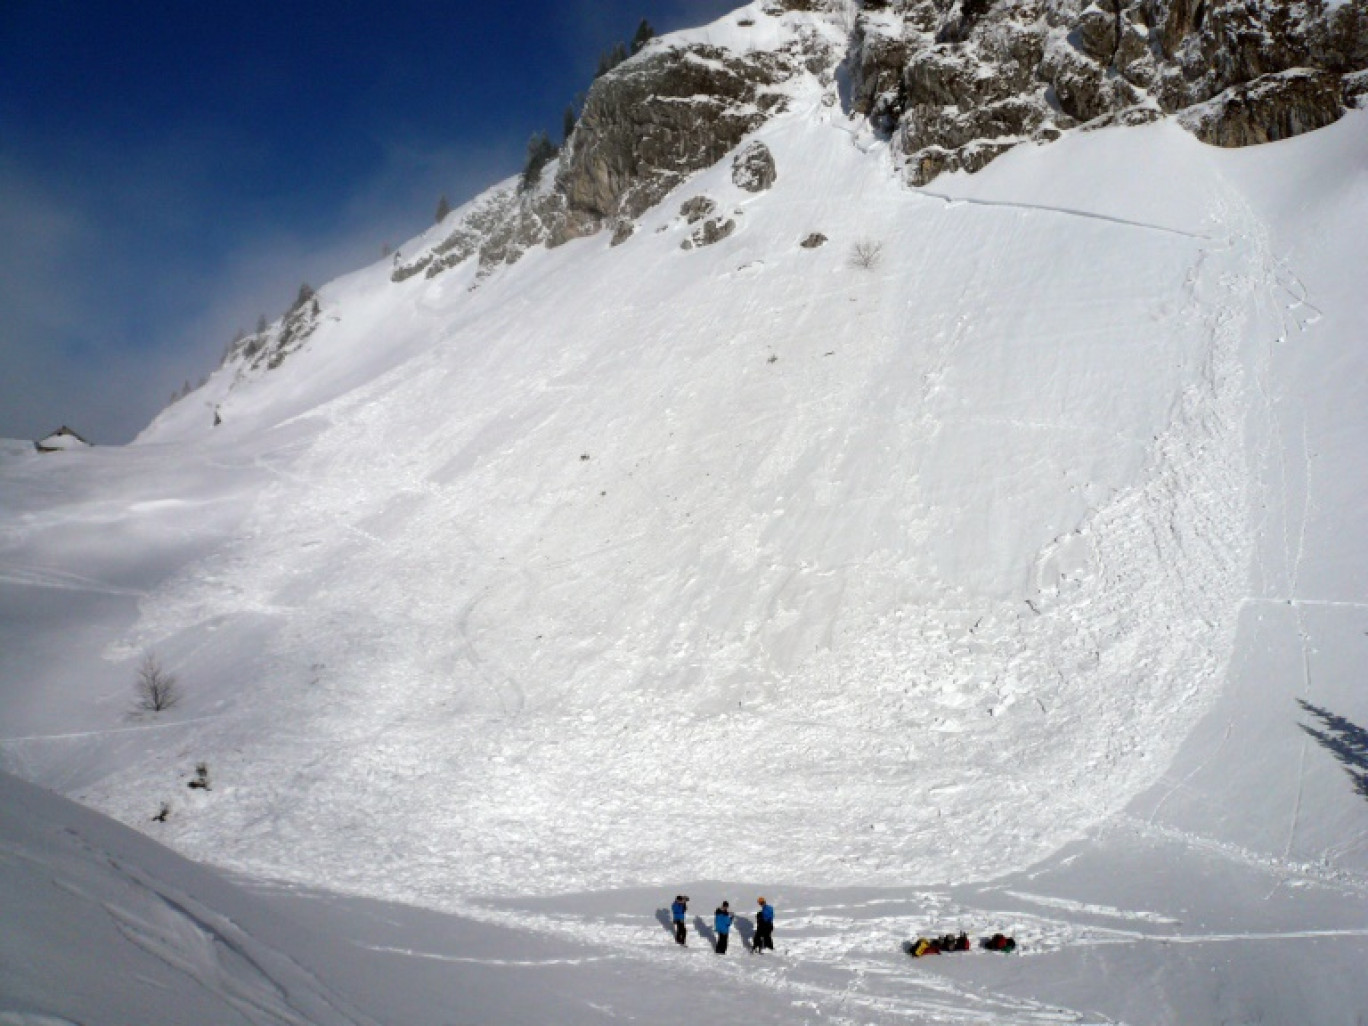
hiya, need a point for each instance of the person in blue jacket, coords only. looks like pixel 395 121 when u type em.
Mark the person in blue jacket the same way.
pixel 764 927
pixel 679 910
pixel 722 922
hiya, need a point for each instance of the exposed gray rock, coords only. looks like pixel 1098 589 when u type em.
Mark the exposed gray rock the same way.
pixel 695 208
pixel 877 62
pixel 753 168
pixel 813 241
pixel 623 231
pixel 647 125
pixel 1270 108
pixel 266 350
pixel 1083 88
pixel 1097 34
pixel 654 121
pixel 978 75
pixel 475 224
pixel 1356 89
pixel 714 229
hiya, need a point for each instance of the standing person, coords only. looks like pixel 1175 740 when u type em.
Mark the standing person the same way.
pixel 764 927
pixel 722 922
pixel 679 910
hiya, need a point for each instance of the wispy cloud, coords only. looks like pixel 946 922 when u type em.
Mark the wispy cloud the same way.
pixel 109 302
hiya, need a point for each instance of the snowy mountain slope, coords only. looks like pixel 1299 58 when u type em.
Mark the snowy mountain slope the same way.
pixel 103 926
pixel 730 557
pixel 113 928
pixel 481 626
pixel 108 927
pixel 1034 543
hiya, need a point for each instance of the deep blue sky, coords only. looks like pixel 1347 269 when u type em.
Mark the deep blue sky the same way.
pixel 168 171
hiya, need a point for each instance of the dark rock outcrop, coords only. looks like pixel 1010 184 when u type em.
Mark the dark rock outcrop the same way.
pixel 955 82
pixel 714 229
pixel 647 125
pixel 753 168
pixel 695 208
pixel 655 121
pixel 1270 108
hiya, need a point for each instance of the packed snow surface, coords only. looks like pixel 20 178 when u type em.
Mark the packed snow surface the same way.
pixel 636 565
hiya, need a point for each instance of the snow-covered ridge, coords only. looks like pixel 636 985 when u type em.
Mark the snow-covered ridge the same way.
pixel 952 86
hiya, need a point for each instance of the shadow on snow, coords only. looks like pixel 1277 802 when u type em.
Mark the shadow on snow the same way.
pixel 1346 741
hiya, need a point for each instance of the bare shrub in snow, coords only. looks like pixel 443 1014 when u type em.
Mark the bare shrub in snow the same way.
pixel 866 253
pixel 155 689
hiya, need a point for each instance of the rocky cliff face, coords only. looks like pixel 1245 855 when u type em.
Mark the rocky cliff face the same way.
pixel 954 83
pixel 647 126
pixel 951 83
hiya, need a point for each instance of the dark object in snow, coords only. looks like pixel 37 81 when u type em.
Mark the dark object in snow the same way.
pixel 61 440
pixel 155 689
pixel 201 777
pixel 161 815
pixel 1000 942
pixel 939 945
pixel 952 943
pixel 678 911
pixel 764 928
pixel 722 923
pixel 813 241
pixel 753 168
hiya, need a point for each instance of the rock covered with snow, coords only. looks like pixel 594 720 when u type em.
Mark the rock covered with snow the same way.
pixel 953 83
pixel 61 440
pixel 648 125
pixel 753 168
pixel 1272 107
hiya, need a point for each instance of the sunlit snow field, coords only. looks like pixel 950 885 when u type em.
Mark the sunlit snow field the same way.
pixel 1018 581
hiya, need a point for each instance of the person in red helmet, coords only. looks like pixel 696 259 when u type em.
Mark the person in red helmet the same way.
pixel 764 927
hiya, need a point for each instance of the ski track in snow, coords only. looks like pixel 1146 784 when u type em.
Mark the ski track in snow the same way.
pixel 39 577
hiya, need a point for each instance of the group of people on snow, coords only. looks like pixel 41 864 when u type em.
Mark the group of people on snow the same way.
pixel 764 932
pixel 722 924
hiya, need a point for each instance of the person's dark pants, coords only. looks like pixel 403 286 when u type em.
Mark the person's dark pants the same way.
pixel 764 936
pixel 680 932
pixel 722 943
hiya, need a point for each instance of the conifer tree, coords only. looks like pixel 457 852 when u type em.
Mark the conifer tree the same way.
pixel 644 34
pixel 540 152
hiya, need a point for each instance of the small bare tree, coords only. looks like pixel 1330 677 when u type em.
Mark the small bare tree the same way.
pixel 156 689
pixel 866 253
